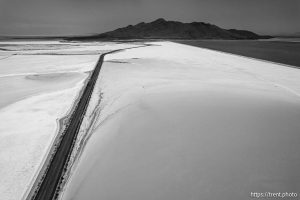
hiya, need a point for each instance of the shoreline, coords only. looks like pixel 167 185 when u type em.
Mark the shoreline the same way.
pixel 252 58
pixel 277 52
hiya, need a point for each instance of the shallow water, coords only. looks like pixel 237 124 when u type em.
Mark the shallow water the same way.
pixel 279 50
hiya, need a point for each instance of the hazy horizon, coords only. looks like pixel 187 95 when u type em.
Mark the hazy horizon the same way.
pixel 75 17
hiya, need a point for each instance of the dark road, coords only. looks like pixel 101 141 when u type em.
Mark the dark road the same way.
pixel 58 164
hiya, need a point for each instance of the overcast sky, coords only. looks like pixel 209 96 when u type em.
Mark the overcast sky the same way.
pixel 75 17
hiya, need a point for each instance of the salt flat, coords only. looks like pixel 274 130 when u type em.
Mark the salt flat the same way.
pixel 166 121
pixel 16 88
pixel 180 122
pixel 39 84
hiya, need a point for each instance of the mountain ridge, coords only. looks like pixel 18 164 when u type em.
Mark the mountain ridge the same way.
pixel 163 29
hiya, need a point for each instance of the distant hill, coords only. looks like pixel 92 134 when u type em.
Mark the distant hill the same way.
pixel 162 29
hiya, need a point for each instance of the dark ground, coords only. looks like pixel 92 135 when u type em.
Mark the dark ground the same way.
pixel 275 51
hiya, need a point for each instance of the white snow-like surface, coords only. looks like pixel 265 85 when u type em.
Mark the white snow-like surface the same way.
pixel 181 122
pixel 39 82
pixel 35 92
pixel 27 129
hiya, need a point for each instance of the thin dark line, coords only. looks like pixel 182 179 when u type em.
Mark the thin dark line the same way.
pixel 49 184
